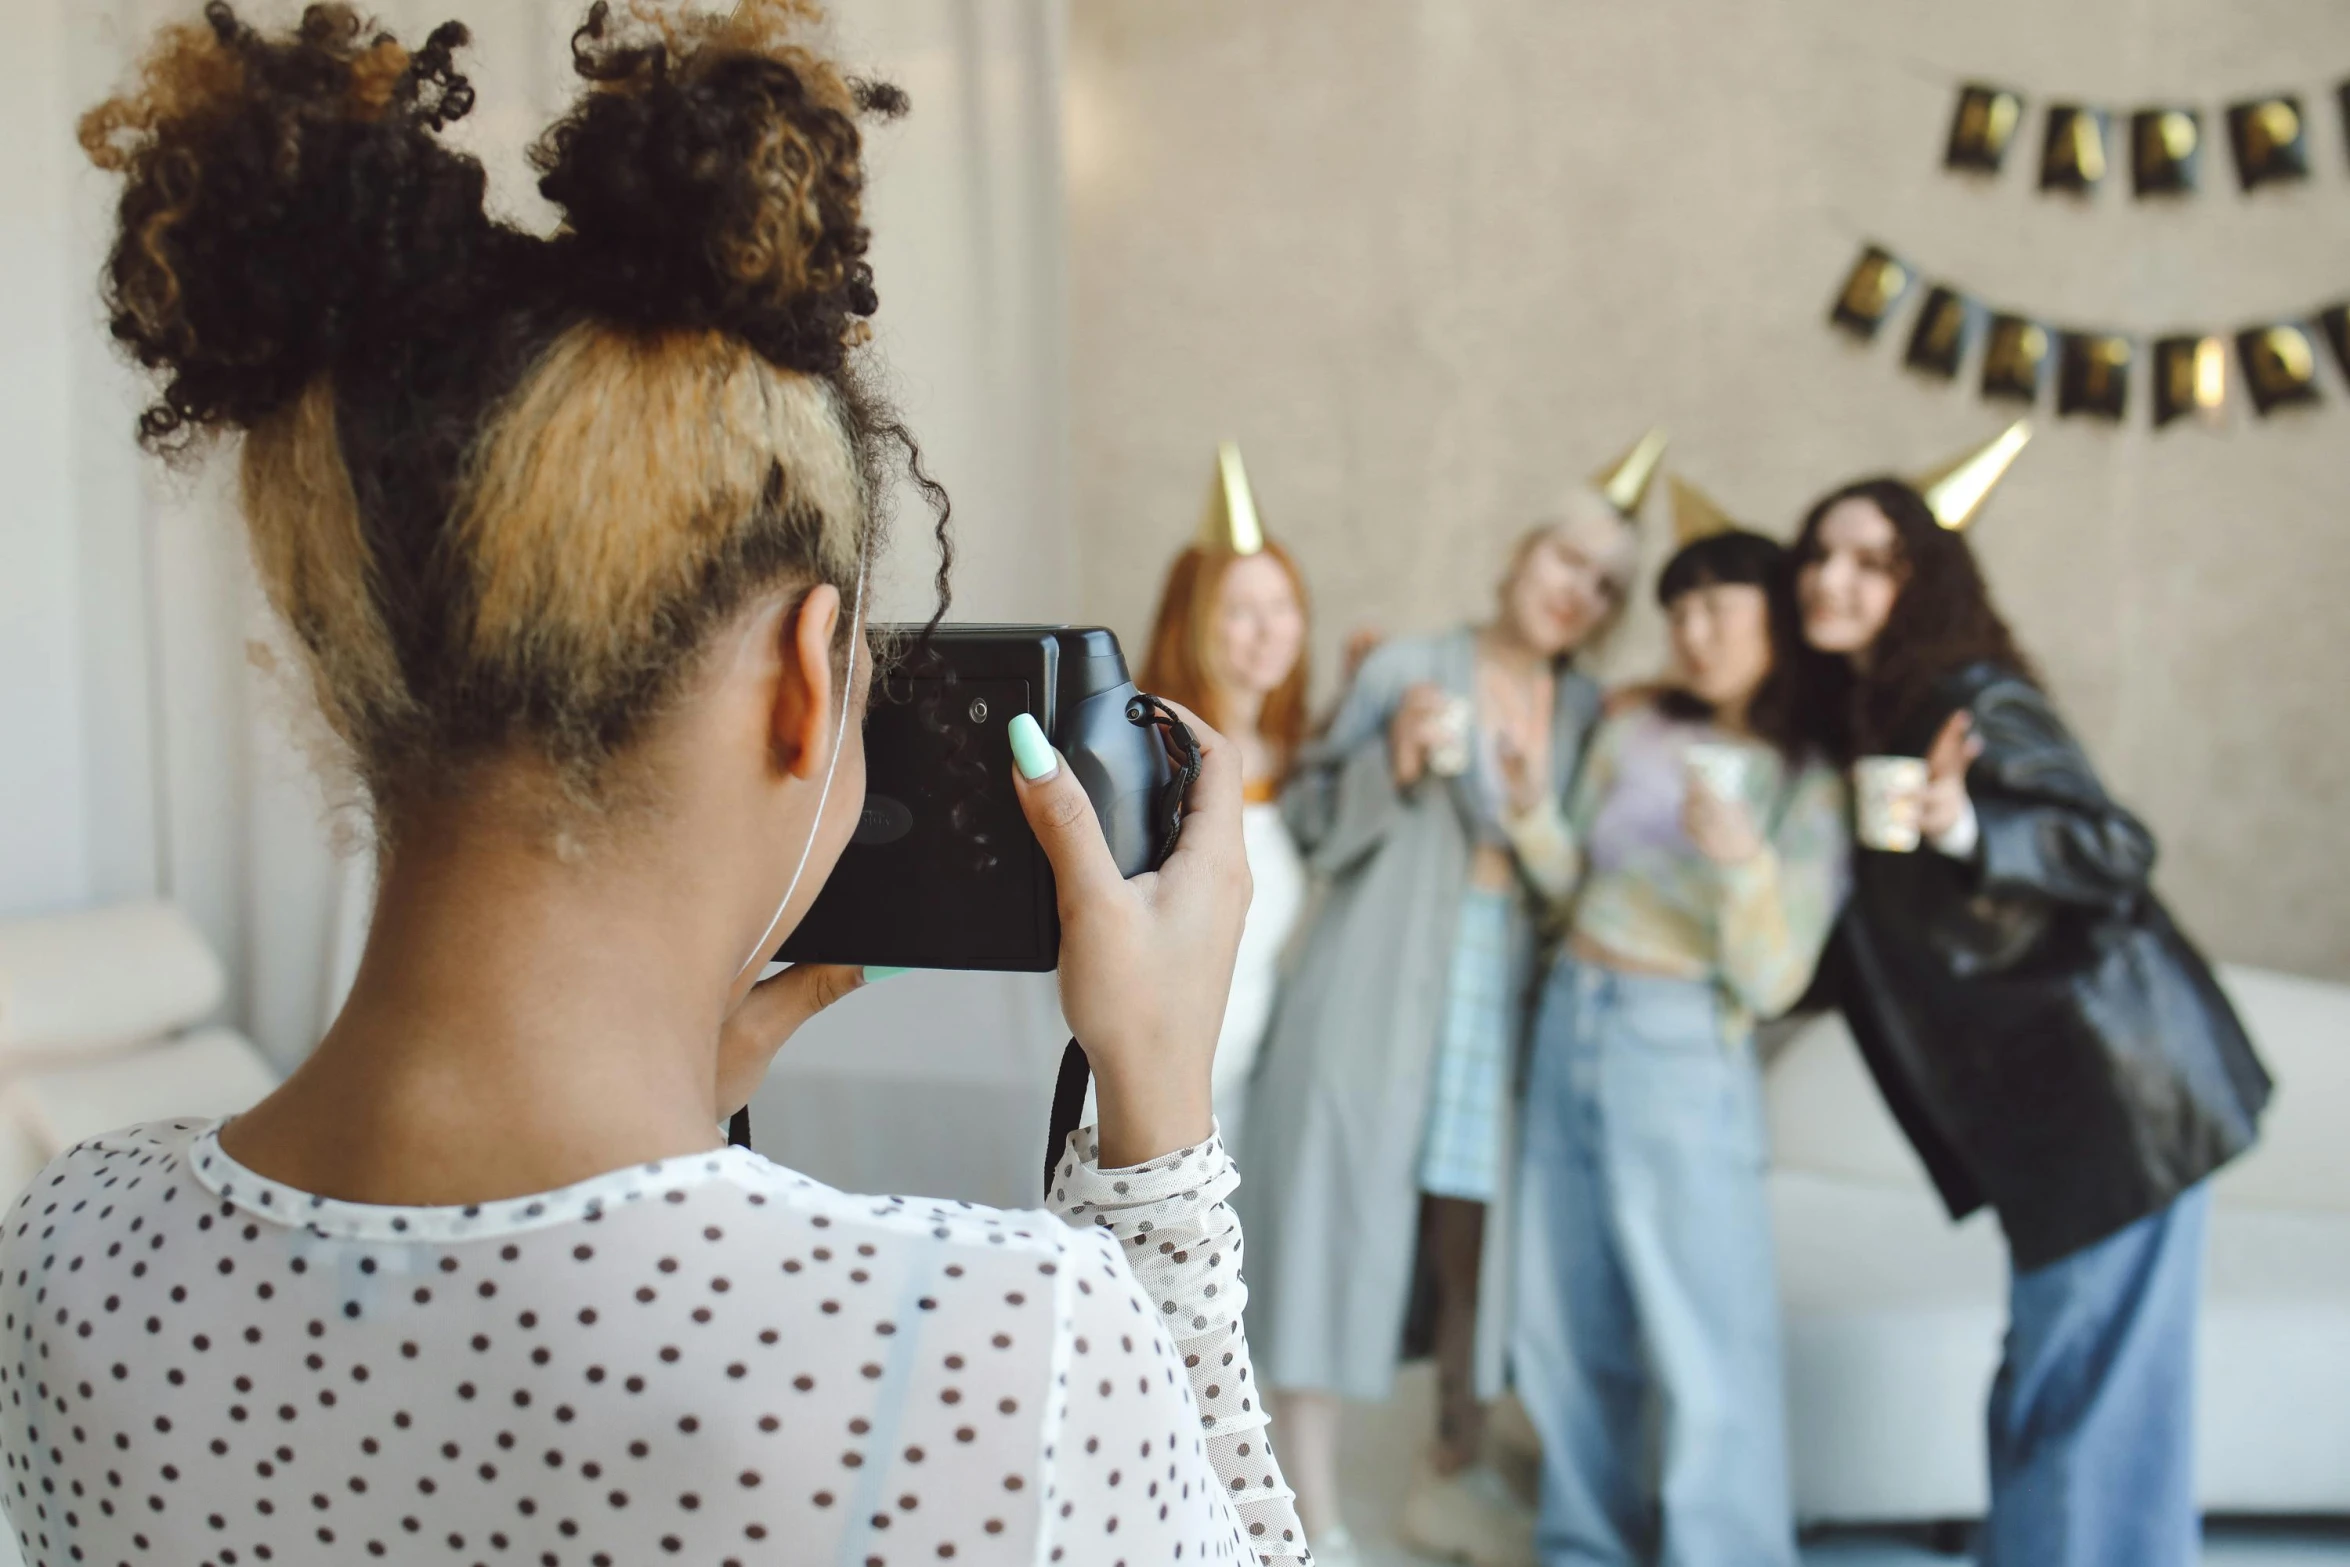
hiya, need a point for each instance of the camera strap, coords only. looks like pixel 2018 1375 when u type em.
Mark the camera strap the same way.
pixel 1144 712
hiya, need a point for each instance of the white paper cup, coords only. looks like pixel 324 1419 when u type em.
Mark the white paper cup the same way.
pixel 1888 794
pixel 1723 769
pixel 1448 751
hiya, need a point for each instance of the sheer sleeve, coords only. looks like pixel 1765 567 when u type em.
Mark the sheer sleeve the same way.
pixel 1172 1220
pixel 1548 840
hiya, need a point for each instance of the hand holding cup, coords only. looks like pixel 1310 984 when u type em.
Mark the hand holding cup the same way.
pixel 1943 803
pixel 1427 735
pixel 1902 801
pixel 1713 815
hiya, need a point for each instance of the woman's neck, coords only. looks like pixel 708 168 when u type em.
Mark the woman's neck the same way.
pixel 519 1021
pixel 1241 715
pixel 1503 646
pixel 1238 711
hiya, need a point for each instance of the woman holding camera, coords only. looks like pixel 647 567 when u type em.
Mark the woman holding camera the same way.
pixel 1389 1067
pixel 573 535
pixel 2050 1041
pixel 1228 642
pixel 1697 869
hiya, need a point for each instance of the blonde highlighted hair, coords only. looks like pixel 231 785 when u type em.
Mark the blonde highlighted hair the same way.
pixel 503 488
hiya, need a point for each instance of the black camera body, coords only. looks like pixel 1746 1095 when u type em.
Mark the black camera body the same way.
pixel 943 872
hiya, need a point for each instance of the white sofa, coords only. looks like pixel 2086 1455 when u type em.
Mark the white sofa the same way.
pixel 1894 1314
pixel 99 1028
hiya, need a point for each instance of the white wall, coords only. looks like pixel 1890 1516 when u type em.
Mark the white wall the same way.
pixel 44 825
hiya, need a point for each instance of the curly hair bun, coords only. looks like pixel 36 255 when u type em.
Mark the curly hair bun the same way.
pixel 715 181
pixel 286 202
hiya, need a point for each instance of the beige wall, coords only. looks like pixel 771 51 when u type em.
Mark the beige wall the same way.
pixel 1430 259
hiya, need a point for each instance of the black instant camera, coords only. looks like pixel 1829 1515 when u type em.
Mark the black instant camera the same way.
pixel 943 872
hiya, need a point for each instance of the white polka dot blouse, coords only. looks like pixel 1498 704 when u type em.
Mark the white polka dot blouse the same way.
pixel 710 1360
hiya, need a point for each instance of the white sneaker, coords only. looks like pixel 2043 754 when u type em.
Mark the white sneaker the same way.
pixel 1472 1516
pixel 1335 1548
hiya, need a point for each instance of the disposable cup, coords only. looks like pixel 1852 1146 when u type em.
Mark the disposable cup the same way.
pixel 1448 750
pixel 1723 769
pixel 1888 793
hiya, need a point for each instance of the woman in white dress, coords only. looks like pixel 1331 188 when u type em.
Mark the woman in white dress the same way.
pixel 573 533
pixel 1229 642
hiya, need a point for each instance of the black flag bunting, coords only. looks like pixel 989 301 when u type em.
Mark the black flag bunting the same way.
pixel 2268 135
pixel 2166 151
pixel 2074 159
pixel 2190 377
pixel 2092 368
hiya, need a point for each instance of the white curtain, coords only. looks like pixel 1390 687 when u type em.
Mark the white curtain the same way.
pixel 151 749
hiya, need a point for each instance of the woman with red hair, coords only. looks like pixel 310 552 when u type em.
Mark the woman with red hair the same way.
pixel 1228 642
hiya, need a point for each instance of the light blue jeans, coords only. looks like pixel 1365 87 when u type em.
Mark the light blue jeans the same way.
pixel 1646 1346
pixel 2093 1412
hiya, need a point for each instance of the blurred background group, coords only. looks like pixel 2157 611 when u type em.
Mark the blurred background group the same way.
pixel 1429 263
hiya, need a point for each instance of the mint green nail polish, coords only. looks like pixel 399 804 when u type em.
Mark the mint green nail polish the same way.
pixel 1031 752
pixel 875 973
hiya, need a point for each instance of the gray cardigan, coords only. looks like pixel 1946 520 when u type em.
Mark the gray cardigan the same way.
pixel 1330 1200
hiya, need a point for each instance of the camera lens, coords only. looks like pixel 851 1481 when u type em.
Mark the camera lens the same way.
pixel 979 710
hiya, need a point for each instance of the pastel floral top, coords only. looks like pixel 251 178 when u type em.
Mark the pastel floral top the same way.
pixel 1618 869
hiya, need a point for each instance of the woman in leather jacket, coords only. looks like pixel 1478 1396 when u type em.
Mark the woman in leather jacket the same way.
pixel 2051 1042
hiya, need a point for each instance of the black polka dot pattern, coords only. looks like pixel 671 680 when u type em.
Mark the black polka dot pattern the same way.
pixel 709 1360
pixel 1182 1247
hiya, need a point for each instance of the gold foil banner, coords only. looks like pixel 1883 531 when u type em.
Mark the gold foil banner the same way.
pixel 2280 366
pixel 2190 378
pixel 2190 374
pixel 2269 136
pixel 2271 140
pixel 2093 375
pixel 2334 322
pixel 1982 128
pixel 1871 290
pixel 1939 340
pixel 2073 157
pixel 2015 357
pixel 2166 151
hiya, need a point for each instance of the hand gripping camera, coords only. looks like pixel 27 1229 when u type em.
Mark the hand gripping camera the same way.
pixel 943 871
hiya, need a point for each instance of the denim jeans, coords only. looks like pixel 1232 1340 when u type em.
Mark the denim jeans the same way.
pixel 2093 1412
pixel 1646 1345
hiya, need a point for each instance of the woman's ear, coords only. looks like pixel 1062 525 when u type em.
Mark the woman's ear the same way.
pixel 803 721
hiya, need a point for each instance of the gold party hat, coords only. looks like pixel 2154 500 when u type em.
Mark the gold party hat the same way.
pixel 1230 522
pixel 1695 514
pixel 1956 491
pixel 1625 481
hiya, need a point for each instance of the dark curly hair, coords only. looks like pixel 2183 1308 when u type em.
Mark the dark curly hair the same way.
pixel 1786 711
pixel 502 487
pixel 1942 621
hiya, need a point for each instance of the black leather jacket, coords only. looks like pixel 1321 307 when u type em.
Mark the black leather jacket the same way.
pixel 2044 1033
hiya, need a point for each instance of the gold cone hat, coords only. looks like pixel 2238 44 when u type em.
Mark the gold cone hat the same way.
pixel 1230 522
pixel 1625 481
pixel 1956 491
pixel 1695 514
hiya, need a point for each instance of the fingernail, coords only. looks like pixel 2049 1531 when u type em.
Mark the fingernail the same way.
pixel 1031 752
pixel 875 973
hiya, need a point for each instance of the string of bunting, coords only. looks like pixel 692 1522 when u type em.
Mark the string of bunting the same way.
pixel 2269 136
pixel 2092 368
